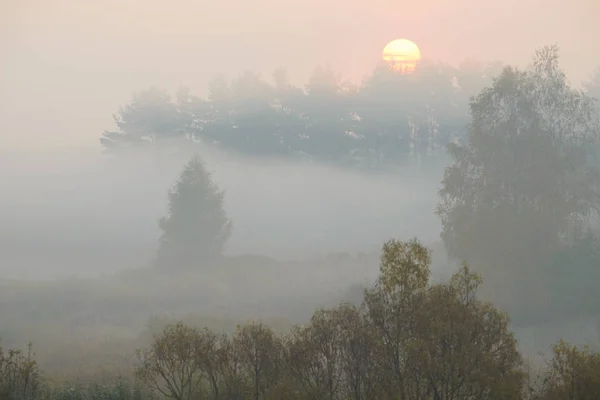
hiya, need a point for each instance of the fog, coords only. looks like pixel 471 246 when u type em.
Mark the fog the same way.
pixel 64 204
pixel 79 219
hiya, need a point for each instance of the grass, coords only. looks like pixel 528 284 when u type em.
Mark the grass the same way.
pixel 82 326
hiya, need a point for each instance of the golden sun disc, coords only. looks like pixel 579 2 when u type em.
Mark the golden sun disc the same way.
pixel 402 55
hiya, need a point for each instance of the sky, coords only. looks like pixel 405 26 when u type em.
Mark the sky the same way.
pixel 67 65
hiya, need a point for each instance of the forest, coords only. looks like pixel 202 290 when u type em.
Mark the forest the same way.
pixel 518 203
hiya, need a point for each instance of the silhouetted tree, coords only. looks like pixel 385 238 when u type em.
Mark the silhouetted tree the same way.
pixel 196 226
pixel 389 119
pixel 150 118
pixel 525 184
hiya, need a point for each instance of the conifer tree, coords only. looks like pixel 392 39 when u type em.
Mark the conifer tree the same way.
pixel 196 226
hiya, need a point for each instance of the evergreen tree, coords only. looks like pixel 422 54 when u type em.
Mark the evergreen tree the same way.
pixel 196 227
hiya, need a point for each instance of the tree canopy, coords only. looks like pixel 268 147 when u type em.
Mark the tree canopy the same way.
pixel 388 119
pixel 526 182
pixel 408 340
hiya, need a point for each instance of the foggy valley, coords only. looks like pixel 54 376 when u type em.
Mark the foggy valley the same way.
pixel 298 201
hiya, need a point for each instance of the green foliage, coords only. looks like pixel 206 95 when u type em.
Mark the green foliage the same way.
pixel 196 227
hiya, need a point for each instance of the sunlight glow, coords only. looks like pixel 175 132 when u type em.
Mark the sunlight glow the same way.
pixel 402 55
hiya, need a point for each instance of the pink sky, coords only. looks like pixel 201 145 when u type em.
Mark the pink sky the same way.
pixel 67 65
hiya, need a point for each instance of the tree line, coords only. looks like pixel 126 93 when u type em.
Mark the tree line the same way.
pixel 389 119
pixel 519 201
pixel 409 339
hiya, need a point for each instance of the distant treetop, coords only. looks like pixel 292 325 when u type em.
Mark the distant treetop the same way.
pixel 387 120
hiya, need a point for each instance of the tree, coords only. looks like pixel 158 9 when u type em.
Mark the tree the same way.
pixel 230 369
pixel 150 118
pixel 358 353
pixel 526 183
pixel 261 358
pixel 314 356
pixel 19 375
pixel 573 374
pixel 390 119
pixel 209 359
pixel 170 365
pixel 409 117
pixel 463 347
pixel 333 356
pixel 409 340
pixel 438 342
pixel 391 308
pixel 196 227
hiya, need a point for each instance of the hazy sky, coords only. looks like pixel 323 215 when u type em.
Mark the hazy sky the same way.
pixel 66 65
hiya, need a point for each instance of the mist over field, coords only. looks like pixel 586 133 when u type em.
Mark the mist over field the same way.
pixel 335 200
pixel 77 212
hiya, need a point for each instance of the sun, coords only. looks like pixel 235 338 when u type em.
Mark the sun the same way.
pixel 402 55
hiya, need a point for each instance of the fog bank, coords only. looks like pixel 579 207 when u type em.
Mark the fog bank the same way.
pixel 78 211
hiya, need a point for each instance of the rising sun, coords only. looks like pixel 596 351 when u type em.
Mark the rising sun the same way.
pixel 402 55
